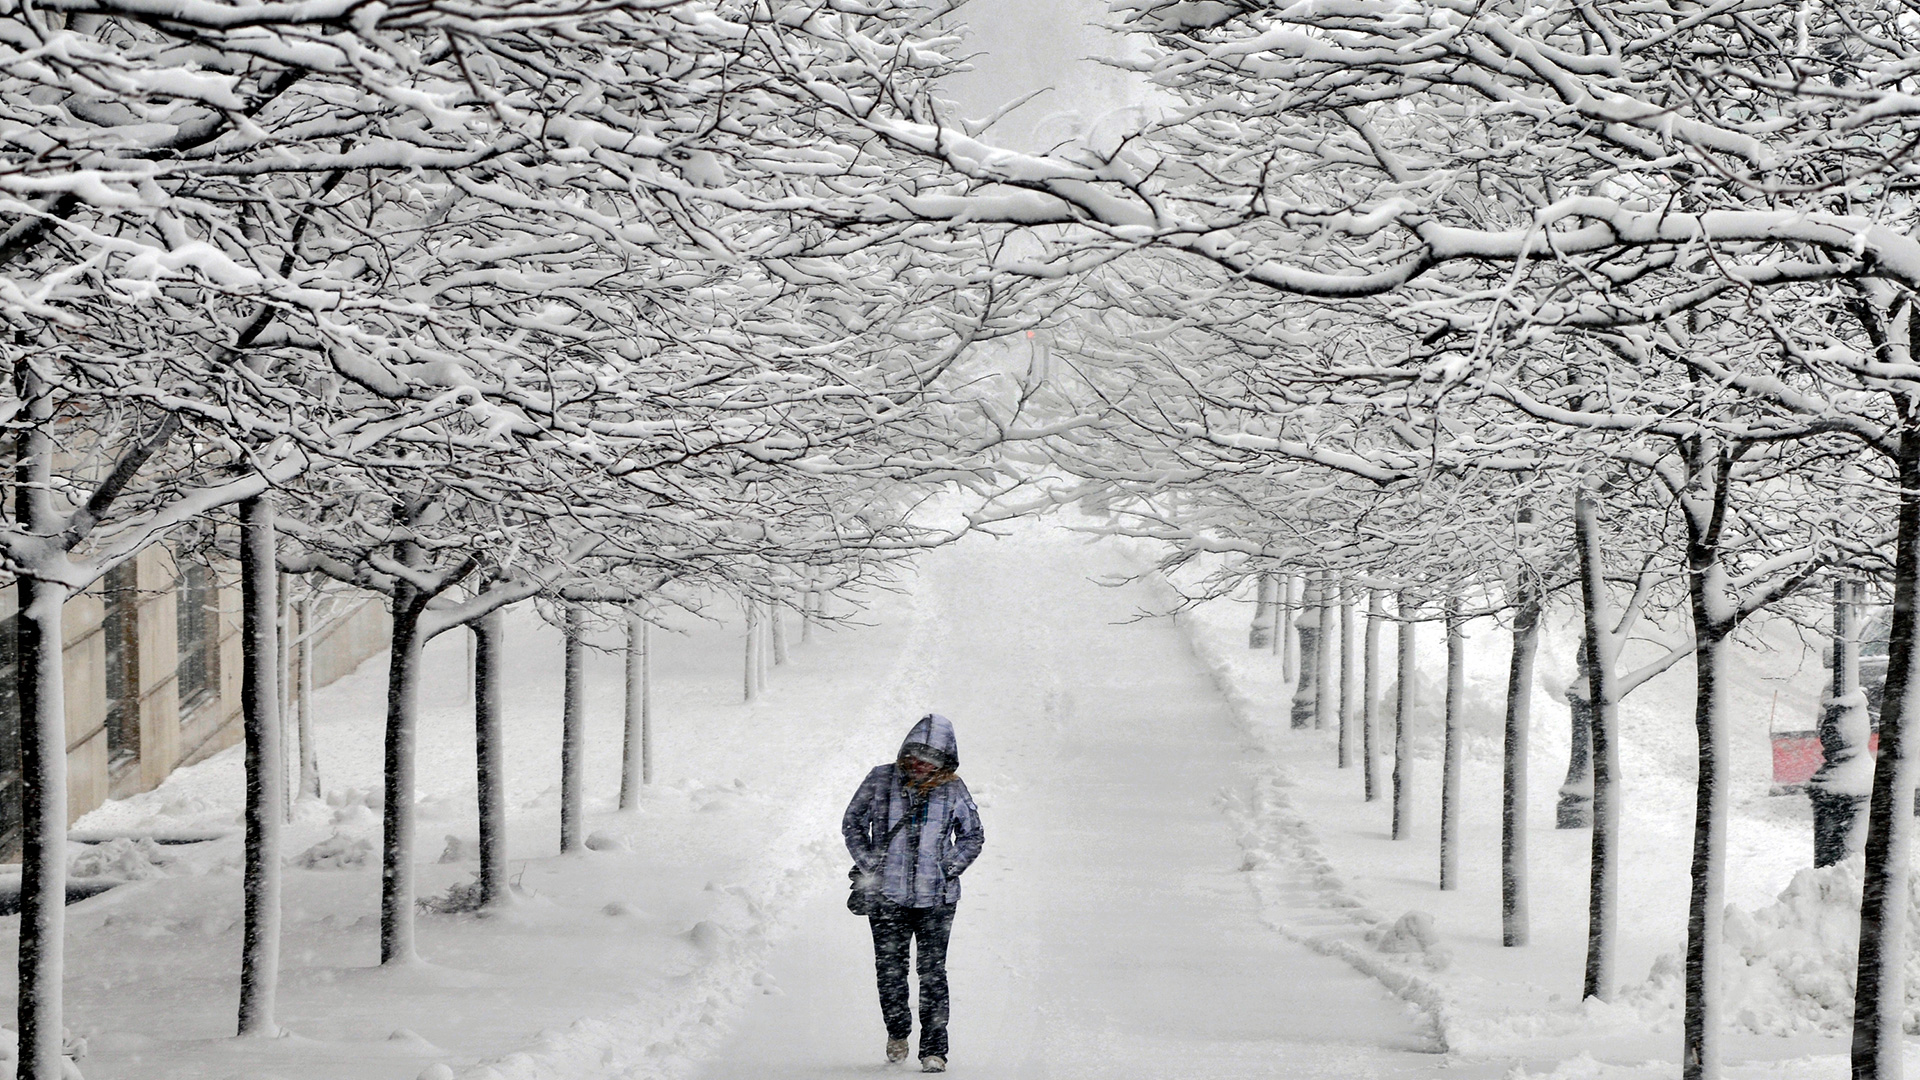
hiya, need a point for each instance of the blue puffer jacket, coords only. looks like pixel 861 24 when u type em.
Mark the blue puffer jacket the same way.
pixel 922 866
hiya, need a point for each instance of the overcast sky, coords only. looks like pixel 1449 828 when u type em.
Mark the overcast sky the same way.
pixel 1025 45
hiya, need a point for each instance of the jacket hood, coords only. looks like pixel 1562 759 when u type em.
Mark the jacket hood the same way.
pixel 932 738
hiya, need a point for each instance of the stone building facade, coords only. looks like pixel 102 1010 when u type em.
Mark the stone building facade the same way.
pixel 153 675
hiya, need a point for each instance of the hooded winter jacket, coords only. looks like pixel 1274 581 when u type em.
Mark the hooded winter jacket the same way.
pixel 922 866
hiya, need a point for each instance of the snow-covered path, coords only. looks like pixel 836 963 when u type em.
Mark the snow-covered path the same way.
pixel 1108 930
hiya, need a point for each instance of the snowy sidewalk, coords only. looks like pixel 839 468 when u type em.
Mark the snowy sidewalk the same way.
pixel 1109 930
pixel 618 962
pixel 1791 963
pixel 1119 924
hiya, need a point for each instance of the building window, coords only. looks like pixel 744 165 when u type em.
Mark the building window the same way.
pixel 199 636
pixel 123 666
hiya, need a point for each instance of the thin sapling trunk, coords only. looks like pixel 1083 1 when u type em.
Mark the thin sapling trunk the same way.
pixel 1288 634
pixel 1880 982
pixel 777 625
pixel 1403 725
pixel 1603 883
pixel 1370 696
pixel 573 733
pixel 261 723
pixel 403 722
pixel 1324 694
pixel 490 765
pixel 1349 670
pixel 1306 692
pixel 1450 753
pixel 43 751
pixel 1703 972
pixel 1260 633
pixel 1514 919
pixel 309 754
pixel 635 768
pixel 751 682
pixel 283 680
pixel 43 830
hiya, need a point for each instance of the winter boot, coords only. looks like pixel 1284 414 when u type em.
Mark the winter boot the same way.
pixel 933 1063
pixel 896 1050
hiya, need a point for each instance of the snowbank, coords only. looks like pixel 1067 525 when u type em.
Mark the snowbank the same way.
pixel 1382 910
pixel 1790 964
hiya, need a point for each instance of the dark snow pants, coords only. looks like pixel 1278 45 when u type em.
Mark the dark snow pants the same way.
pixel 894 928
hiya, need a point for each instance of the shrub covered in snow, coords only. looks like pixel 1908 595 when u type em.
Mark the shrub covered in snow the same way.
pixel 336 852
pixel 462 897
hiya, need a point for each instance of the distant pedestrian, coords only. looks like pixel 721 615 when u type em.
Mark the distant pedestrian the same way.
pixel 913 829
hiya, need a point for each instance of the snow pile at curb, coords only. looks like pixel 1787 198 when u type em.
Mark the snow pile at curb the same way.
pixel 1790 965
pixel 124 858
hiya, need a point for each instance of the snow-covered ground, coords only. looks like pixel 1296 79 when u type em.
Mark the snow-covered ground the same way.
pixel 1790 969
pixel 614 962
pixel 1108 931
pixel 1174 884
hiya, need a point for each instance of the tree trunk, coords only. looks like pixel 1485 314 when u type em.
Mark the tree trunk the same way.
pixel 807 610
pixel 777 622
pixel 489 753
pixel 1705 970
pixel 1603 876
pixel 43 828
pixel 1603 872
pixel 1403 724
pixel 41 653
pixel 763 651
pixel 573 733
pixel 752 679
pixel 261 722
pixel 1450 754
pixel 309 754
pixel 1370 696
pixel 403 721
pixel 646 703
pixel 1880 983
pixel 1325 696
pixel 1289 638
pixel 1349 668
pixel 283 677
pixel 1260 635
pixel 472 681
pixel 1839 790
pixel 1306 692
pixel 636 759
pixel 1514 922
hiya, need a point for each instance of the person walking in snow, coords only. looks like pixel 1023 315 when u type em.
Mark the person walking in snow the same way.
pixel 913 829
